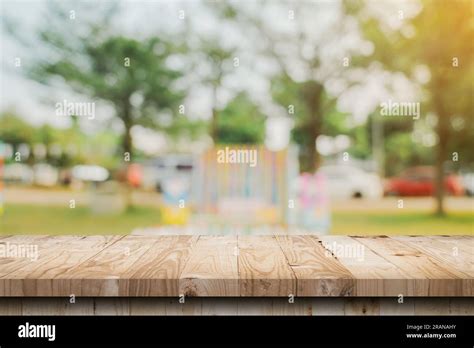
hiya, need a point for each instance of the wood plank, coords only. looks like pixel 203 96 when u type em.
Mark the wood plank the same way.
pixel 453 254
pixel 191 306
pixel 432 306
pixel 246 266
pixel 13 271
pixel 58 256
pixel 432 278
pixel 317 272
pixel 147 306
pixel 212 268
pixel 157 272
pixel 254 306
pixel 220 306
pixel 327 305
pixel 56 306
pixel 461 306
pixel 464 244
pixel 10 306
pixel 362 306
pixel 227 306
pixel 391 306
pixel 374 275
pixel 300 306
pixel 100 274
pixel 9 263
pixel 111 306
pixel 263 268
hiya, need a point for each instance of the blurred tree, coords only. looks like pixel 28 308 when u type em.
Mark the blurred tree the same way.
pixel 303 94
pixel 220 64
pixel 440 38
pixel 240 122
pixel 131 75
pixel 314 114
pixel 14 130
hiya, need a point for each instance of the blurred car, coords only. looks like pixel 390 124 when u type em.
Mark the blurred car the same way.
pixel 45 175
pixel 419 181
pixel 158 170
pixel 89 173
pixel 345 181
pixel 468 183
pixel 134 174
pixel 18 173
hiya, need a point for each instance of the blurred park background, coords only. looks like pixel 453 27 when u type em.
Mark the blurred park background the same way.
pixel 113 113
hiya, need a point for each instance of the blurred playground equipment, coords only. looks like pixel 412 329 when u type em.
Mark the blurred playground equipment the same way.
pixel 175 209
pixel 311 203
pixel 237 193
pixel 2 161
pixel 228 192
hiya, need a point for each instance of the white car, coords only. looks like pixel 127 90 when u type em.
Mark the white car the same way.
pixel 45 174
pixel 18 173
pixel 90 173
pixel 344 181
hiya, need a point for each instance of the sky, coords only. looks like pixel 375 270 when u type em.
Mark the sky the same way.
pixel 317 20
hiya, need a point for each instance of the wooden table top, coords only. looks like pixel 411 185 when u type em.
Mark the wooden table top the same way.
pixel 237 266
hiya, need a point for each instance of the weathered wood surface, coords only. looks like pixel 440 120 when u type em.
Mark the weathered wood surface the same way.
pixel 315 306
pixel 239 266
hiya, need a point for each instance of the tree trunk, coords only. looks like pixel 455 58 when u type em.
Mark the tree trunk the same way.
pixel 312 92
pixel 378 145
pixel 127 157
pixel 443 135
pixel 214 131
pixel 313 156
pixel 214 127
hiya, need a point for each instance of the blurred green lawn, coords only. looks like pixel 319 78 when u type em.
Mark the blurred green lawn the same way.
pixel 402 223
pixel 54 220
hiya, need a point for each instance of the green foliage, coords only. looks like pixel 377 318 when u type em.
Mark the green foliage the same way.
pixel 241 122
pixel 315 113
pixel 361 142
pixel 441 40
pixel 401 152
pixel 76 147
pixel 14 130
pixel 129 74
pixel 442 32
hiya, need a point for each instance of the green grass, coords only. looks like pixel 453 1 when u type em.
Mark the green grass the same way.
pixel 402 223
pixel 55 220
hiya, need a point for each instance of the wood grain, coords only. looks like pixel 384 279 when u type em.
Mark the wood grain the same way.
pixel 317 271
pixel 57 257
pixel 374 275
pixel 263 268
pixel 236 306
pixel 9 263
pixel 456 254
pixel 243 266
pixel 157 272
pixel 100 274
pixel 432 277
pixel 212 268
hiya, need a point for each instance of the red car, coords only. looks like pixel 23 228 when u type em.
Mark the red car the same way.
pixel 419 181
